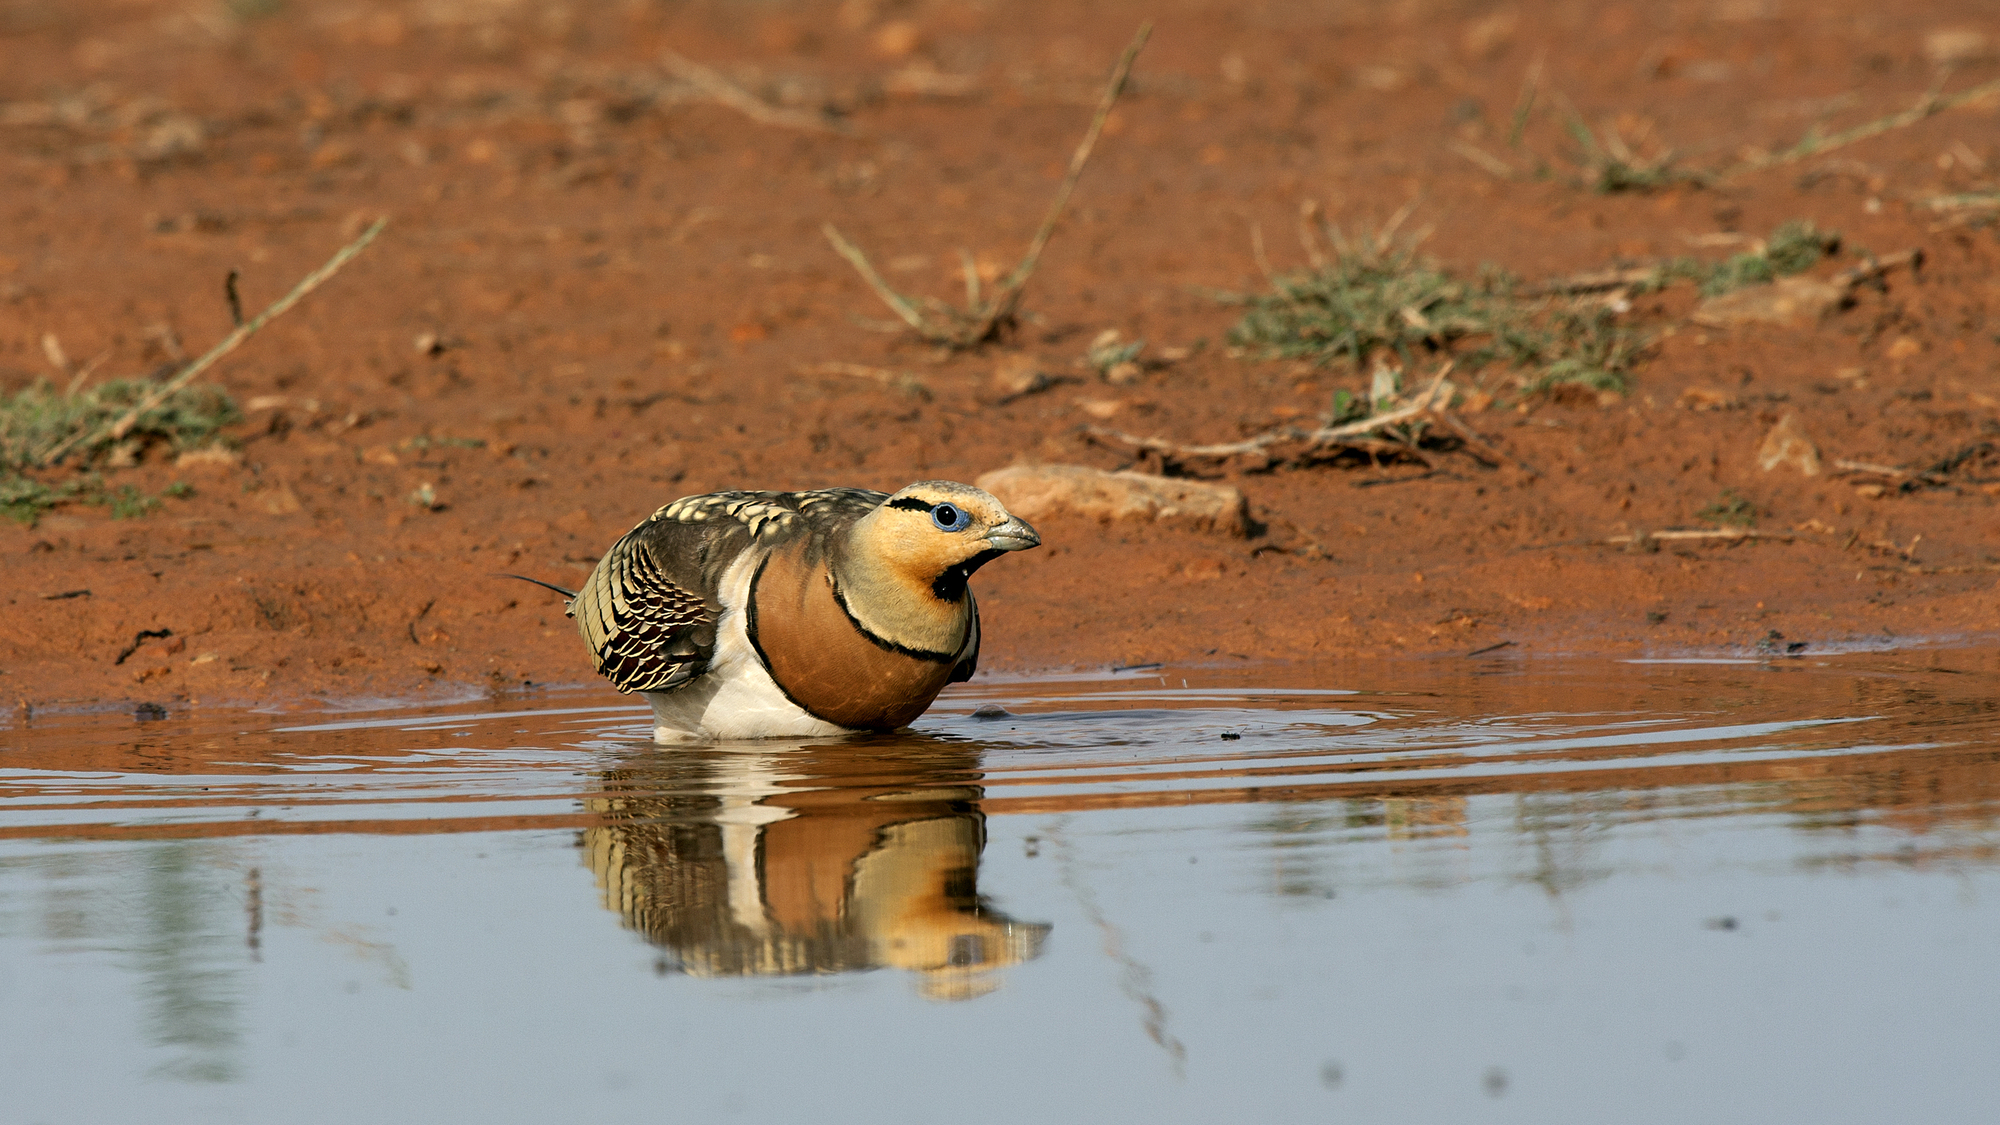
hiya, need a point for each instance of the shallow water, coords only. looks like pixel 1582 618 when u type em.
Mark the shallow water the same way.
pixel 1541 891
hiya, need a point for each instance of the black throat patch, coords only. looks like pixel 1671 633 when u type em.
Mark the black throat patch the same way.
pixel 950 586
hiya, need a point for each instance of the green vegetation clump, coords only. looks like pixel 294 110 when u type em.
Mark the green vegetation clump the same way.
pixel 1609 167
pixel 1794 247
pixel 1378 295
pixel 37 420
pixel 1729 510
pixel 1390 298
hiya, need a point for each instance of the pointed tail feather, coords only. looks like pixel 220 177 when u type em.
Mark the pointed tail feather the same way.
pixel 570 594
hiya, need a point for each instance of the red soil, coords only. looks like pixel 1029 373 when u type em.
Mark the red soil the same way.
pixel 633 301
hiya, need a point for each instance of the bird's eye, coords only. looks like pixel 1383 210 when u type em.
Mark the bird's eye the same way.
pixel 950 517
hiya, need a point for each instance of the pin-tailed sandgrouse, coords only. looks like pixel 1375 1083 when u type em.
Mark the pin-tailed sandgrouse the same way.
pixel 754 614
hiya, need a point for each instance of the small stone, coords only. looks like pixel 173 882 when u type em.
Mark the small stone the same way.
pixel 1123 374
pixel 209 457
pixel 1032 491
pixel 1789 300
pixel 281 501
pixel 1787 444
pixel 898 39
pixel 1020 374
pixel 1205 570
pixel 1951 46
pixel 1704 398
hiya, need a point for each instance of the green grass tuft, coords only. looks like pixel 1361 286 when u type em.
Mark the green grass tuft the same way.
pixel 39 418
pixel 1729 510
pixel 1389 298
pixel 1794 247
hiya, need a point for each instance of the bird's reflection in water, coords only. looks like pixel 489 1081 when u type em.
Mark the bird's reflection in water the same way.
pixel 796 857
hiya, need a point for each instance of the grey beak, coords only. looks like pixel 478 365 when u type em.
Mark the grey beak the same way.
pixel 1014 535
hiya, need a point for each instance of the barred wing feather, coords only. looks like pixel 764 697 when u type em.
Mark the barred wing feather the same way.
pixel 645 633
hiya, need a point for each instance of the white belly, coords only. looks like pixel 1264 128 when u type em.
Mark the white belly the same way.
pixel 736 697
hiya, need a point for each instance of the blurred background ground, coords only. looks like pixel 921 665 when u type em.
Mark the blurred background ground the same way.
pixel 602 287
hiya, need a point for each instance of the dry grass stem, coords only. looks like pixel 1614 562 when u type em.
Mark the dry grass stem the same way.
pixel 117 430
pixel 1660 272
pixel 724 92
pixel 1878 470
pixel 1484 159
pixel 982 320
pixel 1876 267
pixel 889 377
pixel 1599 281
pixel 1812 145
pixel 1725 534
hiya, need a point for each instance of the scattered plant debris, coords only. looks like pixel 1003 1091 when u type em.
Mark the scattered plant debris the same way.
pixel 1376 293
pixel 1113 357
pixel 39 416
pixel 110 425
pixel 983 319
pixel 1607 163
pixel 1391 426
pixel 1794 247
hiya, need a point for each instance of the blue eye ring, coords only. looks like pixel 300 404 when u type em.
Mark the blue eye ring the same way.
pixel 951 517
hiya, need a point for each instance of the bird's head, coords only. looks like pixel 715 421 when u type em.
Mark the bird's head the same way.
pixel 935 533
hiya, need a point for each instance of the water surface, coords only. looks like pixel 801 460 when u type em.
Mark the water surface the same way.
pixel 1536 891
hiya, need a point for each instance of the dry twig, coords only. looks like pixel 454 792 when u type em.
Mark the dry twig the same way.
pixel 1598 281
pixel 1867 467
pixel 1725 534
pixel 1378 433
pixel 889 377
pixel 1652 273
pixel 982 320
pixel 724 92
pixel 1876 267
pixel 117 430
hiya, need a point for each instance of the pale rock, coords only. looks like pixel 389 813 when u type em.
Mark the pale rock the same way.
pixel 1951 46
pixel 898 39
pixel 1787 444
pixel 1033 491
pixel 281 501
pixel 209 457
pixel 1705 398
pixel 1019 374
pixel 1789 300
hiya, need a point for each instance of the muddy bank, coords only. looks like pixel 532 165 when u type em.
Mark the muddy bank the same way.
pixel 601 290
